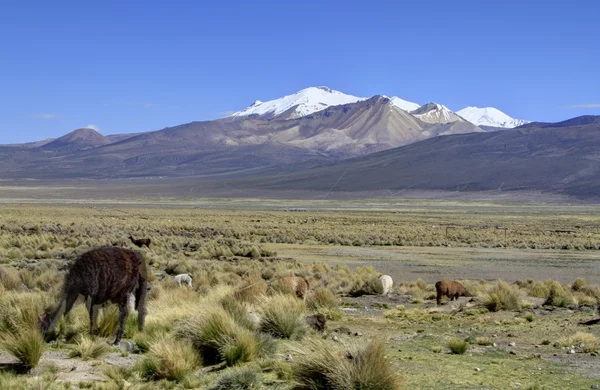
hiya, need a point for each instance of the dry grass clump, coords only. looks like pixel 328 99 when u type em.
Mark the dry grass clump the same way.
pixel 87 348
pixel 502 296
pixel 282 316
pixel 19 332
pixel 243 378
pixel 485 341
pixel 251 290
pixel 458 346
pixel 585 342
pixel 558 295
pixel 366 367
pixel 168 359
pixel 218 338
pixel 578 284
pixel 322 298
pixel 9 278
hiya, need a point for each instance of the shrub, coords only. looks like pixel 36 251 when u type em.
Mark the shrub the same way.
pixel 239 379
pixel 282 316
pixel 458 346
pixel 168 359
pixel 502 296
pixel 322 298
pixel 358 368
pixel 87 348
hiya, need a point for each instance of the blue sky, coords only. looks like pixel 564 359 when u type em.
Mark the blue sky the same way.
pixel 139 66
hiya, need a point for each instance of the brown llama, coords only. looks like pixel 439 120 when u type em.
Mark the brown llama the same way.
pixel 297 284
pixel 140 242
pixel 451 289
pixel 102 275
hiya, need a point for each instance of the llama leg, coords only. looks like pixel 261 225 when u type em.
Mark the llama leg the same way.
pixel 93 311
pixel 122 316
pixel 438 299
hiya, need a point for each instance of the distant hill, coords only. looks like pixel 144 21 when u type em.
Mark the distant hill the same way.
pixel 563 160
pixel 578 121
pixel 79 139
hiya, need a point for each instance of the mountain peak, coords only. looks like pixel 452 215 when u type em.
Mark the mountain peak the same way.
pixel 78 139
pixel 490 116
pixel 301 103
pixel 435 113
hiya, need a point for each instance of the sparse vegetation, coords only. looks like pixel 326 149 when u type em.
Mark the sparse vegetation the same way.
pixel 226 252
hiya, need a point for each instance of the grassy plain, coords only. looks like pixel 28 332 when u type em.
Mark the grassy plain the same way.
pixel 198 338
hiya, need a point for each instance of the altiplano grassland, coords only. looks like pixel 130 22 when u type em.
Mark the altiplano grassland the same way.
pixel 235 330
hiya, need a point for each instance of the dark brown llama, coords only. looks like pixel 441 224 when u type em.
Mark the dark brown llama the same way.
pixel 102 275
pixel 140 242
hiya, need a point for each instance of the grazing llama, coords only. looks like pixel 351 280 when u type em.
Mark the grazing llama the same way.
pixel 451 289
pixel 184 278
pixel 102 275
pixel 296 284
pixel 140 242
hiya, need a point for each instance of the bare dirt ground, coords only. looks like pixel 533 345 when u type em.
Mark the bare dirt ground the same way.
pixel 436 263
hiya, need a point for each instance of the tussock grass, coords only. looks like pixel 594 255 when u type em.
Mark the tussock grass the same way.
pixel 168 359
pixel 585 342
pixel 361 367
pixel 485 341
pixel 245 378
pixel 26 346
pixel 9 278
pixel 251 290
pixel 458 346
pixel 218 338
pixel 87 348
pixel 322 298
pixel 282 316
pixel 502 296
pixel 578 284
pixel 557 295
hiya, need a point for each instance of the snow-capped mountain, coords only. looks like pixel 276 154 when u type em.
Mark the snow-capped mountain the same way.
pixel 490 116
pixel 302 103
pixel 435 113
pixel 404 104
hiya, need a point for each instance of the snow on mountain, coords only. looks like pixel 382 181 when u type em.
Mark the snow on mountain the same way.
pixel 435 113
pixel 304 102
pixel 490 116
pixel 403 104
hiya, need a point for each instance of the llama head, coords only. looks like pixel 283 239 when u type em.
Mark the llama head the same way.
pixel 44 322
